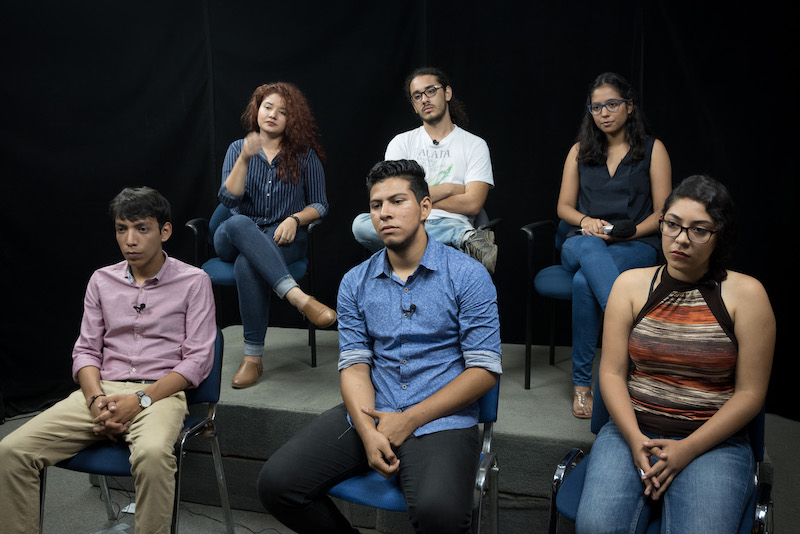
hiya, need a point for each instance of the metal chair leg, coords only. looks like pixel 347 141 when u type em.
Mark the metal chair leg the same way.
pixel 221 485
pixel 107 498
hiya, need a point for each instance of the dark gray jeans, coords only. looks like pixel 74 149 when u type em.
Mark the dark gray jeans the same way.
pixel 437 473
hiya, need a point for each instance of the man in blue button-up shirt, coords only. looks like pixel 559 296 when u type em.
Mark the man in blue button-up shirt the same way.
pixel 419 344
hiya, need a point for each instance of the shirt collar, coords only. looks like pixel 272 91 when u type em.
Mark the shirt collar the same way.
pixel 431 259
pixel 155 278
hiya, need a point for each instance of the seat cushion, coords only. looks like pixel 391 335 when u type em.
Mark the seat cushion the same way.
pixel 554 282
pixel 221 272
pixel 371 489
pixel 103 458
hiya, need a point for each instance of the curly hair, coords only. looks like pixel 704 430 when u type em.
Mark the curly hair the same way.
pixel 592 143
pixel 458 112
pixel 301 132
pixel 720 207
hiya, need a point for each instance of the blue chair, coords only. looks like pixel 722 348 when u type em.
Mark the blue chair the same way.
pixel 107 458
pixel 553 282
pixel 221 272
pixel 568 478
pixel 373 490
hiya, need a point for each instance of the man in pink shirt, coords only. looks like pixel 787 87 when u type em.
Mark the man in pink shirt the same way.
pixel 147 334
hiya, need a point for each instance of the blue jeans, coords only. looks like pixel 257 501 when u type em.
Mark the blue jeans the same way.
pixel 259 266
pixel 452 232
pixel 437 473
pixel 709 496
pixel 596 267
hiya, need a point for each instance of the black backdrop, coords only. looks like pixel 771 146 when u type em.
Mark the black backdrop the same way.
pixel 96 96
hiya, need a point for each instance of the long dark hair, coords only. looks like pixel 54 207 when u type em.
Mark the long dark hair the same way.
pixel 301 128
pixel 593 144
pixel 720 207
pixel 458 113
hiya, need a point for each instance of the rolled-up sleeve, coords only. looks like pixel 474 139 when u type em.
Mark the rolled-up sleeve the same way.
pixel 88 349
pixel 479 321
pixel 201 332
pixel 355 345
pixel 316 195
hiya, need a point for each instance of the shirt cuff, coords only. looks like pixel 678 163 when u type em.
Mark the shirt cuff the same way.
pixel 351 357
pixel 488 360
pixel 321 209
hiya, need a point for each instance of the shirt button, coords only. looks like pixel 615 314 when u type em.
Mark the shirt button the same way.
pixel 133 369
pixel 404 362
pixel 405 289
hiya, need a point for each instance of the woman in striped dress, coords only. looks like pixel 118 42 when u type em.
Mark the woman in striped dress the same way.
pixel 687 353
pixel 274 184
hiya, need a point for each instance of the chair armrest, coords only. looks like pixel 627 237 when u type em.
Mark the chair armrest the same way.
pixel 567 463
pixel 489 225
pixel 199 229
pixel 543 233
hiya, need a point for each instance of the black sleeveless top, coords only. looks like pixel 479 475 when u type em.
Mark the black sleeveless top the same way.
pixel 626 195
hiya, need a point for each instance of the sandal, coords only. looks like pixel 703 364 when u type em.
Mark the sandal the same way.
pixel 582 400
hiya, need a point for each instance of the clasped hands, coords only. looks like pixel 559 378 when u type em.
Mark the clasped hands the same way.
pixel 671 457
pixel 113 414
pixel 392 429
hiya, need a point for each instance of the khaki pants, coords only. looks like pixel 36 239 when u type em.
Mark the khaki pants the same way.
pixel 65 429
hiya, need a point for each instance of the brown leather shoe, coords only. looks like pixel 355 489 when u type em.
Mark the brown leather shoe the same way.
pixel 322 316
pixel 247 375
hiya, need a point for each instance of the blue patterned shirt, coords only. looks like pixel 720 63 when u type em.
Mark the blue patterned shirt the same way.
pixel 413 354
pixel 267 199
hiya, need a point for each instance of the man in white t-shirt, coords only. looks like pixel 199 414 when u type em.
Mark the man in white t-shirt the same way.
pixel 457 166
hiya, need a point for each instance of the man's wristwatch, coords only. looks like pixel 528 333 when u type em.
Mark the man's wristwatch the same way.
pixel 144 399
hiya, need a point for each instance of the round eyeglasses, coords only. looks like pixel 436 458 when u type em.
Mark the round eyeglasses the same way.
pixel 429 91
pixel 695 234
pixel 611 105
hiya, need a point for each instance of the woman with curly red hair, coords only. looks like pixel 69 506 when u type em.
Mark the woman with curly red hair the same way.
pixel 274 185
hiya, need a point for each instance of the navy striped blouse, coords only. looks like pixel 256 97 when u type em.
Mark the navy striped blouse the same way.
pixel 267 199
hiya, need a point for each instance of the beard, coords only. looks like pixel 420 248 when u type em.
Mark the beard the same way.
pixel 434 118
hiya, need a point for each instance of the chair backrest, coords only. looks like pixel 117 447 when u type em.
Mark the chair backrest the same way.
pixel 561 233
pixel 487 404
pixel 220 214
pixel 481 219
pixel 208 390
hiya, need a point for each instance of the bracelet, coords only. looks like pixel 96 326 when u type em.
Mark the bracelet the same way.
pixel 580 223
pixel 94 398
pixel 295 220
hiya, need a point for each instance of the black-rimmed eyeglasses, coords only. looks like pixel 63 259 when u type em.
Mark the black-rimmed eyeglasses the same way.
pixel 429 91
pixel 696 234
pixel 611 105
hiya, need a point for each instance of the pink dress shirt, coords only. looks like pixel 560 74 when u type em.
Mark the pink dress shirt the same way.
pixel 133 332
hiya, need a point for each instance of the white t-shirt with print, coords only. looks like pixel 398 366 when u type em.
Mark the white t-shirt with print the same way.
pixel 459 158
